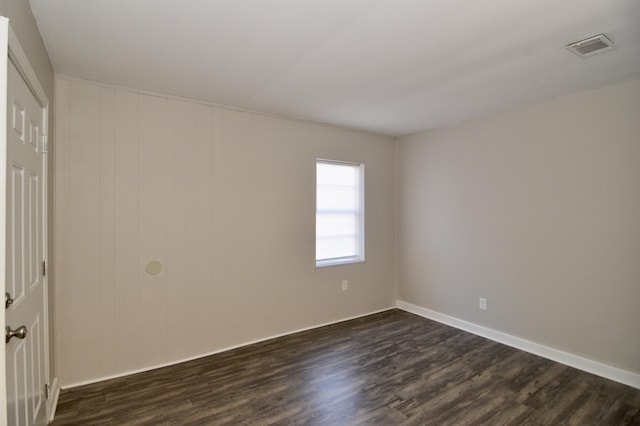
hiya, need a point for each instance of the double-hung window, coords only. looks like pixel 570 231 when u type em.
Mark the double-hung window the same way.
pixel 339 212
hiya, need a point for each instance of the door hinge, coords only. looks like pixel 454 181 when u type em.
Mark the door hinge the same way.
pixel 44 143
pixel 47 391
pixel 44 268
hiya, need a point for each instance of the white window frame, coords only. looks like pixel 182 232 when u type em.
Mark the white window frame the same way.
pixel 358 257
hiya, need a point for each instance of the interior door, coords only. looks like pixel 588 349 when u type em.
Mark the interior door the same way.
pixel 25 253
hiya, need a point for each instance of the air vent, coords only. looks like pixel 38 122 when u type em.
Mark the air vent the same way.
pixel 591 46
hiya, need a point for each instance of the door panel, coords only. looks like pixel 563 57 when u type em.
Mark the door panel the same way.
pixel 15 276
pixel 25 358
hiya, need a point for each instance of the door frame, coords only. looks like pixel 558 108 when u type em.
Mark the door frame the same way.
pixel 11 50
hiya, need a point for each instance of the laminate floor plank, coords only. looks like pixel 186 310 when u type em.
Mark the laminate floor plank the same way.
pixel 391 368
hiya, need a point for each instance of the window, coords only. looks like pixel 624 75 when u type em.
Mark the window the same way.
pixel 339 213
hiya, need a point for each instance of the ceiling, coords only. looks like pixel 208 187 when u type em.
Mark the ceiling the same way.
pixel 386 66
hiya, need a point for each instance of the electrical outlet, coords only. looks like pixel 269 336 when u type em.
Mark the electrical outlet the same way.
pixel 345 285
pixel 483 304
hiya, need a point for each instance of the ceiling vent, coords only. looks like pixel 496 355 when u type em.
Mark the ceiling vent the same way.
pixel 591 46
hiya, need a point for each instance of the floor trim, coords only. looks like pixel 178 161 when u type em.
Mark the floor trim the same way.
pixel 616 374
pixel 52 404
pixel 142 370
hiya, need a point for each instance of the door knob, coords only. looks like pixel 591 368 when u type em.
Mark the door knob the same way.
pixel 20 333
pixel 7 300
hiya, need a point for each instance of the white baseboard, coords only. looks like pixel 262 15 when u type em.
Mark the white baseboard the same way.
pixel 154 367
pixel 52 402
pixel 594 367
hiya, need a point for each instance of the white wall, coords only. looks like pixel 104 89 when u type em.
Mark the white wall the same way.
pixel 538 210
pixel 225 200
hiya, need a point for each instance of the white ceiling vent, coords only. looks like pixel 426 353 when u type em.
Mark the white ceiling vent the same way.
pixel 591 46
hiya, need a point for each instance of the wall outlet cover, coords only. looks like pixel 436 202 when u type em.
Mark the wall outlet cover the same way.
pixel 483 303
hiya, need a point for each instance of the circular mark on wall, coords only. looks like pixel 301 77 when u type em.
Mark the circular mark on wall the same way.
pixel 154 267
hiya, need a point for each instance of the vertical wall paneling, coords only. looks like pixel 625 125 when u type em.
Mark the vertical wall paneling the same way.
pixel 59 199
pixel 84 214
pixel 126 218
pixel 191 227
pixel 204 307
pixel 106 238
pixel 176 222
pixel 152 226
pixel 224 200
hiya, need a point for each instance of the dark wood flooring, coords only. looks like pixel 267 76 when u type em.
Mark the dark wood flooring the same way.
pixel 392 368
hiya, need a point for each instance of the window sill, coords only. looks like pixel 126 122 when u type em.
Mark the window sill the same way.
pixel 337 262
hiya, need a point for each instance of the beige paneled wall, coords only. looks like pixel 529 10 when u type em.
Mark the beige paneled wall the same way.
pixel 225 201
pixel 537 210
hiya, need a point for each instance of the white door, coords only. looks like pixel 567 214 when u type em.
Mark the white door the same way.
pixel 25 280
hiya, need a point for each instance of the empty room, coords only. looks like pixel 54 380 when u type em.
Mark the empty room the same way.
pixel 306 212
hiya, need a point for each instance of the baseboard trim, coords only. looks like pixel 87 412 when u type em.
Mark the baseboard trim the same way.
pixel 594 367
pixel 52 403
pixel 155 367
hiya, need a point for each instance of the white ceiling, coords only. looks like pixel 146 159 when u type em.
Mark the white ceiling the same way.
pixel 387 66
